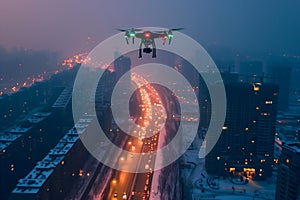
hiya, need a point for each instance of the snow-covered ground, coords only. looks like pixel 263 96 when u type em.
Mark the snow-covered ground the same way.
pixel 199 185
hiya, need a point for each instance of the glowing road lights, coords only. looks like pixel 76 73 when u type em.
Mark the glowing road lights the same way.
pixel 76 59
pixel 66 64
pixel 150 104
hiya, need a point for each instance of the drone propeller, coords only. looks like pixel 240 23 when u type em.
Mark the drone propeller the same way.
pixel 122 30
pixel 168 34
pixel 130 29
pixel 129 33
pixel 176 29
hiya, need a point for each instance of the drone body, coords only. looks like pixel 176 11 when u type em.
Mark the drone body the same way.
pixel 147 38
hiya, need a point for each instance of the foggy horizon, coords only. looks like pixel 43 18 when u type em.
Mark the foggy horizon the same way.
pixel 70 27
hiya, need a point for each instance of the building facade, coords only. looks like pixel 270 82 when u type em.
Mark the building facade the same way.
pixel 288 179
pixel 246 144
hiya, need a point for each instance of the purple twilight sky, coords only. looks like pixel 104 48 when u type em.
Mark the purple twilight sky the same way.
pixel 65 25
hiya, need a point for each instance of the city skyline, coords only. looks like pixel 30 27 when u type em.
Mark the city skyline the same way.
pixel 149 100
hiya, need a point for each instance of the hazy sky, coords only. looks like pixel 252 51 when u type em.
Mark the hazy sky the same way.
pixel 65 25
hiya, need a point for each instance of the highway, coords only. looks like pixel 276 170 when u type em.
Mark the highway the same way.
pixel 125 185
pixel 152 118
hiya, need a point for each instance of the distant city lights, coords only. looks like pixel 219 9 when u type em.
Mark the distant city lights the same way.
pixel 67 64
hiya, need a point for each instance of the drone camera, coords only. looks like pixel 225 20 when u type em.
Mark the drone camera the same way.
pixel 147 50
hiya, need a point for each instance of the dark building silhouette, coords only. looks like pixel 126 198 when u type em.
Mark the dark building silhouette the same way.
pixel 282 73
pixel 34 127
pixel 246 144
pixel 295 81
pixel 53 177
pixel 251 68
pixel 288 179
pixel 121 65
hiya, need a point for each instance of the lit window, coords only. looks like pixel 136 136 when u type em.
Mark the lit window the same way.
pixel 218 158
pixel 287 161
pixel 247 129
pixel 80 173
pixel 224 128
pixel 232 169
pixel 255 88
pixel 268 102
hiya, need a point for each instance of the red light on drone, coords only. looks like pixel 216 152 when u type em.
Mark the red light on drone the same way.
pixel 147 35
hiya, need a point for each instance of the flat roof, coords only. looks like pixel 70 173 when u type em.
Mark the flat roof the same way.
pixel 18 129
pixel 64 98
pixel 38 117
pixel 7 137
pixel 15 132
pixel 294 146
pixel 4 145
pixel 32 183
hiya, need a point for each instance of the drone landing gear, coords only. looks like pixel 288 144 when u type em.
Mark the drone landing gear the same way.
pixel 154 53
pixel 140 53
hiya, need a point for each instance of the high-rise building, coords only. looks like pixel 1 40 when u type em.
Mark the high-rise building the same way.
pixel 53 176
pixel 121 66
pixel 281 72
pixel 288 179
pixel 251 68
pixel 246 144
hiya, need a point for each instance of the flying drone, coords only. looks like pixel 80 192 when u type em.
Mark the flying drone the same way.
pixel 147 38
